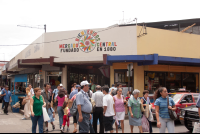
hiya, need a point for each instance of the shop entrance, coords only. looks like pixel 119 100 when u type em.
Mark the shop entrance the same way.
pixel 97 75
pixel 54 78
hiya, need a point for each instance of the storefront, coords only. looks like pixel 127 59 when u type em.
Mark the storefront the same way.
pixel 158 58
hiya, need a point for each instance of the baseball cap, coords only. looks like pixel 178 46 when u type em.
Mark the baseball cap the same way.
pixel 61 85
pixel 78 86
pixel 83 83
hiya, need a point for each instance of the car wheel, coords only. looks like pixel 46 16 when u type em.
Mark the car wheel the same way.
pixel 188 125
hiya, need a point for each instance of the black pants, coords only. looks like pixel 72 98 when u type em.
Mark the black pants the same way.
pixel 98 114
pixel 74 120
pixel 6 107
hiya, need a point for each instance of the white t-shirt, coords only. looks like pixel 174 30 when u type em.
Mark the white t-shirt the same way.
pixel 109 102
pixel 32 92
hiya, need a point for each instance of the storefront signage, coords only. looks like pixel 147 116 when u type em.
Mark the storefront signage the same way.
pixel 87 41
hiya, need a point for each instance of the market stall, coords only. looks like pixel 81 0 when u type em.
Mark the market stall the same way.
pixel 19 90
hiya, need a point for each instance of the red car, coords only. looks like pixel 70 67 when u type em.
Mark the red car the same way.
pixel 182 100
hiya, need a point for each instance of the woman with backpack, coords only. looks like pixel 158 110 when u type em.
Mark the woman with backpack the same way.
pixel 162 110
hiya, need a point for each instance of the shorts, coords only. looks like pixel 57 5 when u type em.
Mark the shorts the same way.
pixel 108 123
pixel 55 103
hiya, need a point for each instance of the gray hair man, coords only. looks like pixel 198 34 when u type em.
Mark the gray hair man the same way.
pixel 98 113
pixel 84 107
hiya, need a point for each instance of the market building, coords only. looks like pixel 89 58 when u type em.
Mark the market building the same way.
pixel 157 54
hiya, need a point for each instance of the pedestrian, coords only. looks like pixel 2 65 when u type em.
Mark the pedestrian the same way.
pixel 93 87
pixel 74 92
pixel 36 104
pixel 55 93
pixel 74 117
pixel 144 102
pixel 7 98
pixel 73 87
pixel 61 97
pixel 3 88
pixel 109 110
pixel 26 101
pixel 51 114
pixel 65 117
pixel 51 92
pixel 84 107
pixel 46 95
pixel 31 90
pixel 120 103
pixel 135 113
pixel 112 88
pixel 98 113
pixel 162 115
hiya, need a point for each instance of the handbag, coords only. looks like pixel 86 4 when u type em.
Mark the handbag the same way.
pixel 73 109
pixel 196 127
pixel 145 124
pixel 146 112
pixel 93 105
pixel 150 114
pixel 172 113
pixel 45 114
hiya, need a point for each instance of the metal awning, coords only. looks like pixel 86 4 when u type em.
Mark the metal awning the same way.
pixel 153 59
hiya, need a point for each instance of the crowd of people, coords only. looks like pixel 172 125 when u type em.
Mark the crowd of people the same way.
pixel 110 108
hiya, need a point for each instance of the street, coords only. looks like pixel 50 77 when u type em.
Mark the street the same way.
pixel 12 123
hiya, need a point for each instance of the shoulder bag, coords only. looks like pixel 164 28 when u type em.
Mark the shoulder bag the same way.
pixel 172 113
pixel 146 112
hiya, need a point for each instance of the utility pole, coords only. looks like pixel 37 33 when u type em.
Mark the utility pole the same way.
pixel 44 27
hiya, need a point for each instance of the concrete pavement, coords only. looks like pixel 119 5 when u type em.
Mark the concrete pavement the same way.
pixel 12 123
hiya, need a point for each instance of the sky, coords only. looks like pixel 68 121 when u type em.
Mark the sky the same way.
pixel 65 15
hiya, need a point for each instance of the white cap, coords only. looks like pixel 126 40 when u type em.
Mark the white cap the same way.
pixel 61 85
pixel 83 83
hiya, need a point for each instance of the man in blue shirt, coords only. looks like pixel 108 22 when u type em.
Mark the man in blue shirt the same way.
pixel 3 99
pixel 7 98
pixel 84 107
pixel 74 92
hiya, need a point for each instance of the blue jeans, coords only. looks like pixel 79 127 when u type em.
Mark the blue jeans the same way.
pixel 39 120
pixel 60 114
pixel 84 126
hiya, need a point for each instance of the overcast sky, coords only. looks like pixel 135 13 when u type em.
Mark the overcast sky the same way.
pixel 64 15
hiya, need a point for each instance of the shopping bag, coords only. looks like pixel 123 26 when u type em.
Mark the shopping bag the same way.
pixel 146 112
pixel 145 124
pixel 196 127
pixel 45 114
pixel 150 114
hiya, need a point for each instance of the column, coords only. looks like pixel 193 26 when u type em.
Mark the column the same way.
pixel 138 78
pixel 112 76
pixel 64 77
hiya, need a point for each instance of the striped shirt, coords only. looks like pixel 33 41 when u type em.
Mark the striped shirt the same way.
pixel 163 107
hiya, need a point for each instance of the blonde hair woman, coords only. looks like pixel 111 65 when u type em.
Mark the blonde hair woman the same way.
pixel 26 101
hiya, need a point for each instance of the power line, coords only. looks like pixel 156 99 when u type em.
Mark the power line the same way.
pixel 55 40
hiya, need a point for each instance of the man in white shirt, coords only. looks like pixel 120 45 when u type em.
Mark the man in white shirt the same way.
pixel 109 110
pixel 32 90
pixel 98 114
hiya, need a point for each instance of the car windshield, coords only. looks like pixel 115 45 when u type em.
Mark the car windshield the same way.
pixel 175 97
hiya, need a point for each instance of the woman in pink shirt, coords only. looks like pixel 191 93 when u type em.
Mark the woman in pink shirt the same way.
pixel 120 109
pixel 61 99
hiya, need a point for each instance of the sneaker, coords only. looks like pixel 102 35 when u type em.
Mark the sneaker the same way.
pixel 47 130
pixel 62 131
pixel 24 118
pixel 68 129
pixel 53 127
